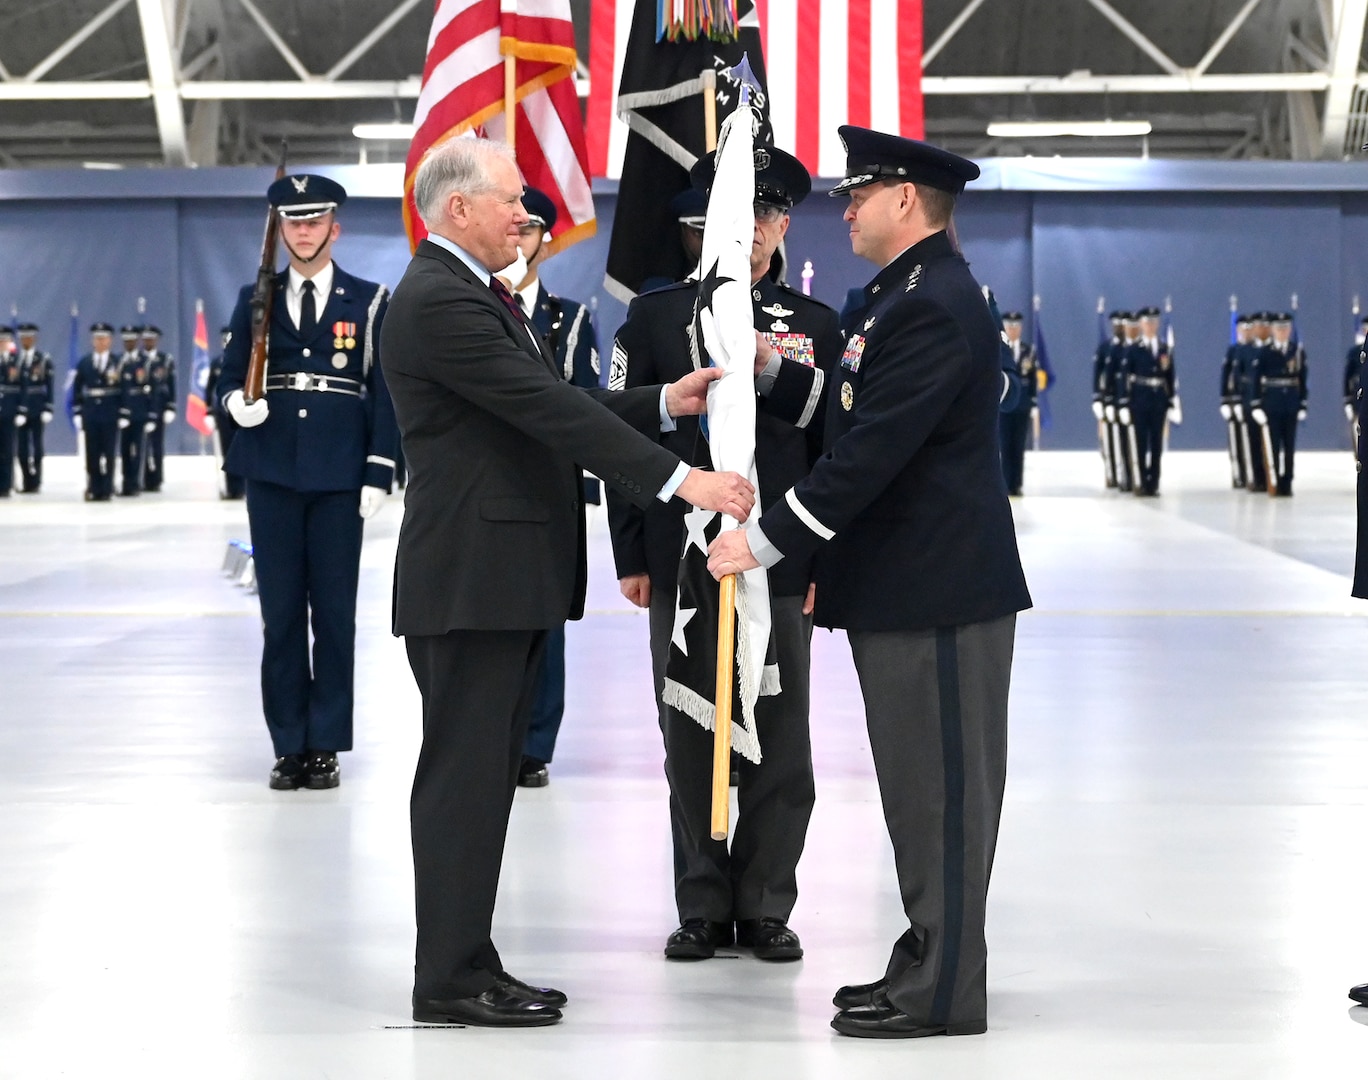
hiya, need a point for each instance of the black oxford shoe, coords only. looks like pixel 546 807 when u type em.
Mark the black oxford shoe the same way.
pixel 882 1019
pixel 321 771
pixel 849 997
pixel 1359 993
pixel 542 995
pixel 496 1007
pixel 288 773
pixel 697 939
pixel 770 938
pixel 533 773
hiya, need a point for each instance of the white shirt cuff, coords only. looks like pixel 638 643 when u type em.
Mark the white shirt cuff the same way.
pixel 677 477
pixel 766 554
pixel 764 382
pixel 667 423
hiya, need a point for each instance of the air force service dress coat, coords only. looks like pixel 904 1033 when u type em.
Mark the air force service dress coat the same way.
pixel 909 514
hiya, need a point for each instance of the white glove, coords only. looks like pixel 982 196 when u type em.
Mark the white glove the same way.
pixel 1227 413
pixel 1110 412
pixel 76 421
pixel 210 422
pixel 47 417
pixel 150 426
pixel 20 420
pixel 372 498
pixel 1349 411
pixel 1239 411
pixel 1175 411
pixel 1097 409
pixel 168 416
pixel 1301 415
pixel 1124 415
pixel 1259 416
pixel 246 415
pixel 124 422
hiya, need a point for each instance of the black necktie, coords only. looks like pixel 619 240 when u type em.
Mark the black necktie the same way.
pixel 308 311
pixel 501 291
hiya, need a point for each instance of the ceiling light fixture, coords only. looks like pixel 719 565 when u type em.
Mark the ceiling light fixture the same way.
pixel 384 131
pixel 101 165
pixel 1044 129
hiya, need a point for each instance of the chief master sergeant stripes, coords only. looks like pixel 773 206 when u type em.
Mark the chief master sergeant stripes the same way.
pixel 317 453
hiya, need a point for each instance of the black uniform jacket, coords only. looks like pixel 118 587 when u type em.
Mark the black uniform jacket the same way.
pixel 907 508
pixel 652 346
pixel 493 535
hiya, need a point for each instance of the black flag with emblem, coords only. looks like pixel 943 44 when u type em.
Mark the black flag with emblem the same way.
pixel 660 100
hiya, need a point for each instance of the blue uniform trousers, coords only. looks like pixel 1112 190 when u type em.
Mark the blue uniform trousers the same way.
pixel 30 444
pixel 101 446
pixel 7 432
pixel 306 547
pixel 1013 430
pixel 1282 433
pixel 549 706
pixel 1148 416
pixel 131 447
pixel 154 454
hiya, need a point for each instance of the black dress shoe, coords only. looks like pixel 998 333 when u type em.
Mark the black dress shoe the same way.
pixel 849 997
pixel 321 771
pixel 697 939
pixel 496 1007
pixel 881 1019
pixel 1359 993
pixel 542 995
pixel 532 773
pixel 771 939
pixel 288 773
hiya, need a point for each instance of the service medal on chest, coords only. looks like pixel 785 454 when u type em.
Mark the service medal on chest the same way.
pixel 847 396
pixel 339 360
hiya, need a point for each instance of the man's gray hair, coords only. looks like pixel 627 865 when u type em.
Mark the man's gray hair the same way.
pixel 459 164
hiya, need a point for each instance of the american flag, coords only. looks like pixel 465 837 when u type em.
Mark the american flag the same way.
pixel 463 92
pixel 859 60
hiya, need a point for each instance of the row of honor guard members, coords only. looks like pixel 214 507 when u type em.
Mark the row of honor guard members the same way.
pixel 122 403
pixel 745 893
pixel 25 408
pixel 1263 398
pixel 1135 397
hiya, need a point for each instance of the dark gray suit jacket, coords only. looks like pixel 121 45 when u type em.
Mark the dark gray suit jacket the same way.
pixel 493 532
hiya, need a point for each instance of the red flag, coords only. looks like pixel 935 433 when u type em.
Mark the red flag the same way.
pixel 831 62
pixel 196 408
pixel 463 91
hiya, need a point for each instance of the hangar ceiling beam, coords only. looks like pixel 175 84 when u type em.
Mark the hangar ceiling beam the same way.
pixel 74 42
pixel 950 31
pixel 1145 45
pixel 1345 46
pixel 368 42
pixel 1218 46
pixel 162 77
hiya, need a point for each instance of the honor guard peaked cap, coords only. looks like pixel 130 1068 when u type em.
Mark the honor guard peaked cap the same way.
pixel 1243 320
pixel 872 156
pixel 151 331
pixel 1117 316
pixel 28 328
pixel 130 331
pixel 101 328
pixel 1280 318
pixel 305 196
pixel 1261 317
pixel 690 207
pixel 540 208
pixel 1148 313
pixel 1012 317
pixel 1129 317
pixel 780 179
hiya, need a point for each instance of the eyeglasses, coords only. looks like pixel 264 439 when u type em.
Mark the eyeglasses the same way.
pixel 767 213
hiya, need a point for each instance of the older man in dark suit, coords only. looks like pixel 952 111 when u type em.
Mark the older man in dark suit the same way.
pixel 492 550
pixel 916 558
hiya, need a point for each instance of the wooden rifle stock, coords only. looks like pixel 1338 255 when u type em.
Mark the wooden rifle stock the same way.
pixel 262 295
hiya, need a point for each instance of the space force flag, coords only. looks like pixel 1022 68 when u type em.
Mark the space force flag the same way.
pixel 723 334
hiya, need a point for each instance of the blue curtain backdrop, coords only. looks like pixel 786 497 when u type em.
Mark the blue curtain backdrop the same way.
pixel 1260 232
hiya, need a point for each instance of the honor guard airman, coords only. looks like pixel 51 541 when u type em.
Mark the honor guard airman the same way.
pixel 1257 443
pixel 11 397
pixel 35 406
pixel 135 409
pixel 1147 389
pixel 1122 428
pixel 1014 426
pixel 1232 411
pixel 1279 401
pixel 1104 395
pixel 747 893
pixel 1353 377
pixel 222 426
pixel 161 371
pixel 95 395
pixel 317 454
pixel 568 329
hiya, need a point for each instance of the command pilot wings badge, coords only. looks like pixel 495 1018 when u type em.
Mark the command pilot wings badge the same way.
pixel 777 310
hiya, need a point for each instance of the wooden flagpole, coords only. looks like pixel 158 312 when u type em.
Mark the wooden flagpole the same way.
pixel 722 733
pixel 510 100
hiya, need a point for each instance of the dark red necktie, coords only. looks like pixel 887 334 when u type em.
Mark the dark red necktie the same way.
pixel 501 291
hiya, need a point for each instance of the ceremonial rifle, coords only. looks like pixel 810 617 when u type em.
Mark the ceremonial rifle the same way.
pixel 262 295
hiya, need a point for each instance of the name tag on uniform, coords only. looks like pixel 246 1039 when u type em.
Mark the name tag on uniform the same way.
pixel 854 350
pixel 794 347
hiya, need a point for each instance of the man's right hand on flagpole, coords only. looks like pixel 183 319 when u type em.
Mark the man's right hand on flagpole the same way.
pixel 637 589
pixel 730 553
pixel 689 395
pixel 729 492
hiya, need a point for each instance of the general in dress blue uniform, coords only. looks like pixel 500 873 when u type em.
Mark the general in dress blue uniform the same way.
pixel 916 558
pixel 1279 400
pixel 568 329
pixel 317 453
pixel 95 397
pixel 35 406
